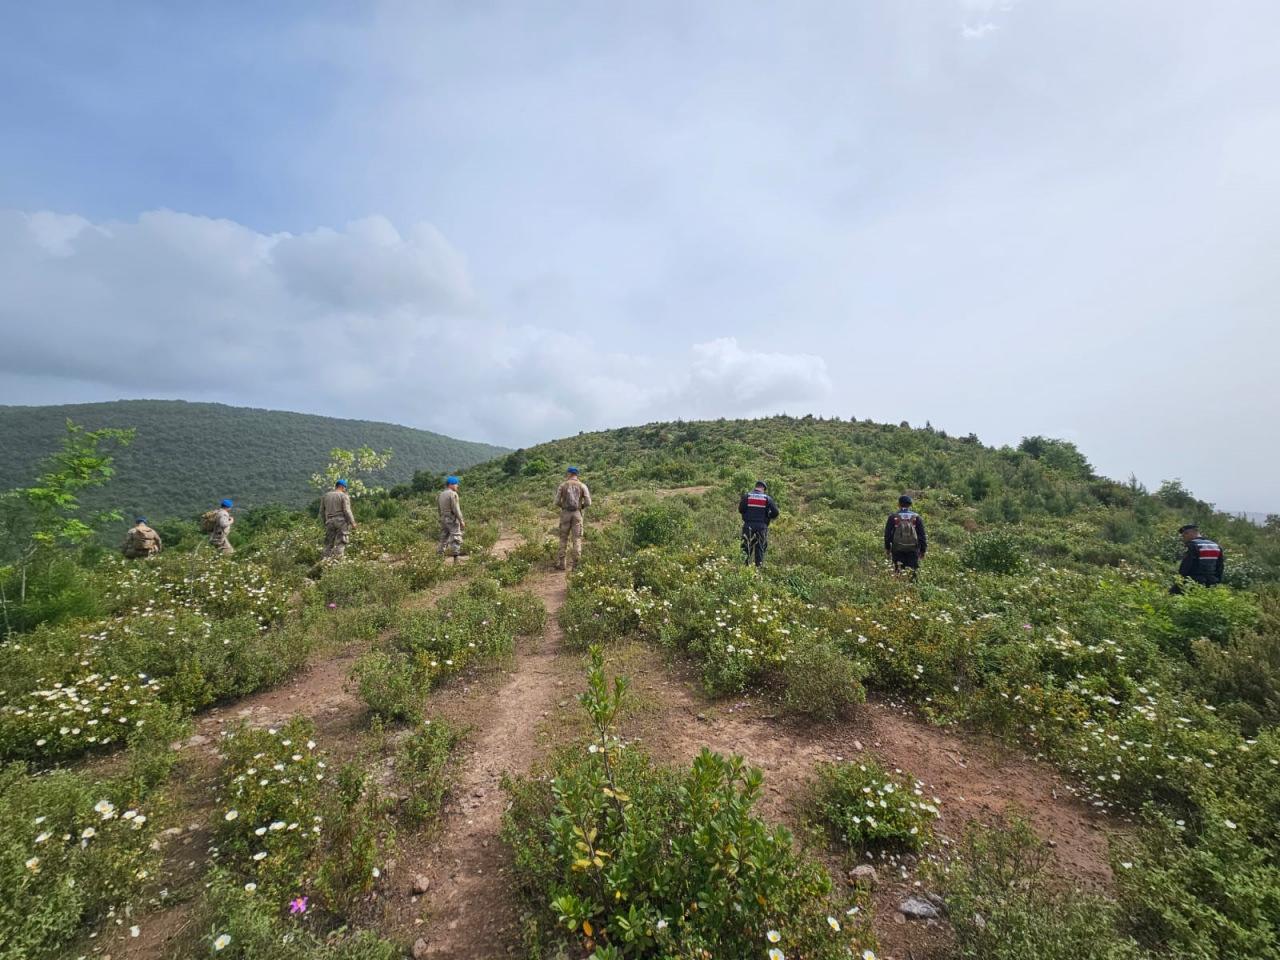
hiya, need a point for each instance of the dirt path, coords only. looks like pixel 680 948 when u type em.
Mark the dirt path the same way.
pixel 469 907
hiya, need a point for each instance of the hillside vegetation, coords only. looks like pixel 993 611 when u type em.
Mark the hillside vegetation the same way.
pixel 1042 616
pixel 187 456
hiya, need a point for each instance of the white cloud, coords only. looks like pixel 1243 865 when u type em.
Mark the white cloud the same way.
pixel 366 321
pixel 979 31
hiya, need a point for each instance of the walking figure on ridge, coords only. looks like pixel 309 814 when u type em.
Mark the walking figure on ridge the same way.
pixel 339 521
pixel 572 497
pixel 141 541
pixel 217 524
pixel 905 541
pixel 758 510
pixel 1204 560
pixel 451 522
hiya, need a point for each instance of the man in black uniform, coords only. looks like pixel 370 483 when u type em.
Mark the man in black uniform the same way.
pixel 904 538
pixel 1203 561
pixel 757 509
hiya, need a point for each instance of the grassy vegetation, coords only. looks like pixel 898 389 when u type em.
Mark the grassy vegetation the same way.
pixel 1042 614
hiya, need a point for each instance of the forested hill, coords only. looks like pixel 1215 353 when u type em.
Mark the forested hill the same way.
pixel 188 455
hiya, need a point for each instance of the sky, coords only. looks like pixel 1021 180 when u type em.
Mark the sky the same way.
pixel 512 221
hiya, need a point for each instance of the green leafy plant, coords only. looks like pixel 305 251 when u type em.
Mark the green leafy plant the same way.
pixel 629 860
pixel 865 806
pixel 1002 906
pixel 354 466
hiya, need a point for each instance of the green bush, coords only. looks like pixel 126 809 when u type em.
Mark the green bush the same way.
pixel 631 860
pixel 356 582
pixel 864 806
pixel 389 684
pixel 242 924
pixel 1213 612
pixel 422 766
pixel 658 525
pixel 1002 905
pixel 821 682
pixel 355 828
pixel 57 590
pixel 994 552
pixel 1215 893
pixel 71 849
pixel 268 817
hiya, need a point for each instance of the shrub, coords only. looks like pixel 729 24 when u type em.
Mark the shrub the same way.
pixel 821 682
pixel 246 925
pixel 71 849
pixel 389 684
pixel 863 805
pixel 632 860
pixel 422 763
pixel 354 827
pixel 355 582
pixel 658 525
pixel 994 552
pixel 268 818
pixel 1003 907
pixel 1214 893
pixel 423 567
pixel 1213 612
pixel 200 583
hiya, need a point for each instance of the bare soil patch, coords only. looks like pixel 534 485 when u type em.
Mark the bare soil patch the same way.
pixel 975 778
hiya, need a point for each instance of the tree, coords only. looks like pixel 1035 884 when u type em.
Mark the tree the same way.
pixel 40 518
pixel 1061 455
pixel 352 466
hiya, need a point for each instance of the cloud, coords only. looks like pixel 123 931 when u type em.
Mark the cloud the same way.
pixel 979 31
pixel 366 320
pixel 978 16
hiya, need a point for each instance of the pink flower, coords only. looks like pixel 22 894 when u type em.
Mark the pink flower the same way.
pixel 1026 626
pixel 333 606
pixel 298 905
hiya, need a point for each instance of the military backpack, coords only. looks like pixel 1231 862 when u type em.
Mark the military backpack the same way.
pixel 906 538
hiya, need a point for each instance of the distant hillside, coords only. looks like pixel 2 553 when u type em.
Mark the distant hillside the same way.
pixel 188 455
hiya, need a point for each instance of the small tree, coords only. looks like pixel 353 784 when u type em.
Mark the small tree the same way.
pixel 352 466
pixel 47 515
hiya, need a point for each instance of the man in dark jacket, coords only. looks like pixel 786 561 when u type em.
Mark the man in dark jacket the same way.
pixel 1203 561
pixel 758 510
pixel 905 541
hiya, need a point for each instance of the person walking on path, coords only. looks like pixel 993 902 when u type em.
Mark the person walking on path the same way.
pixel 451 522
pixel 572 497
pixel 141 541
pixel 905 541
pixel 1203 562
pixel 339 521
pixel 219 527
pixel 757 510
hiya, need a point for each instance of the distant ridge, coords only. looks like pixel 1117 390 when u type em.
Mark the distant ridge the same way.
pixel 187 455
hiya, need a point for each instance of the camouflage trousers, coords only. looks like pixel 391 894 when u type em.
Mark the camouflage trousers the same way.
pixel 220 543
pixel 450 537
pixel 337 534
pixel 570 536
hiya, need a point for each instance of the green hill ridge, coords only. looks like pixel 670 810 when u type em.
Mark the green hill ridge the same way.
pixel 187 455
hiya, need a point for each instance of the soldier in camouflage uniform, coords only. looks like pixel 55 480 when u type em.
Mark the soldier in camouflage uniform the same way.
pixel 451 522
pixel 572 497
pixel 222 521
pixel 141 541
pixel 339 521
